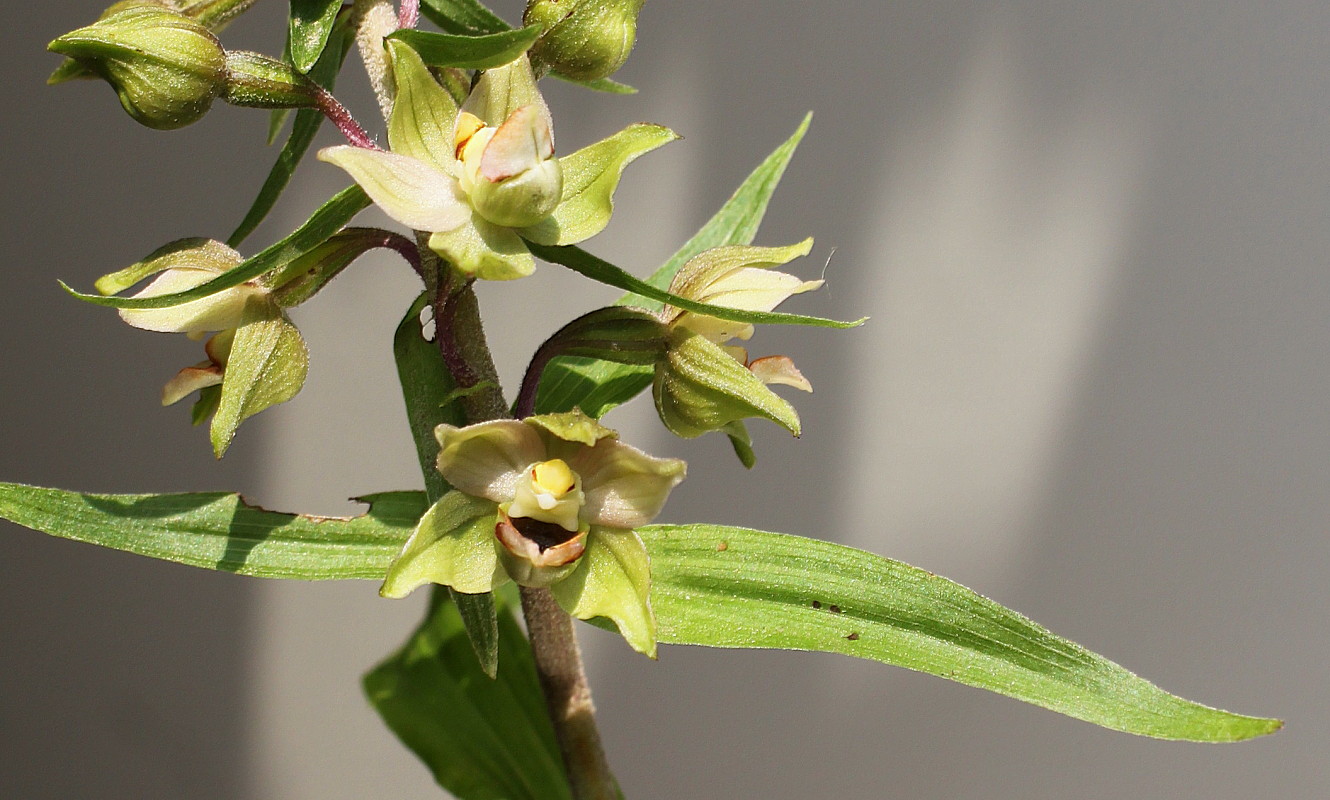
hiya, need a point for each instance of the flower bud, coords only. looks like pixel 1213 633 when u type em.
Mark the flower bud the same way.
pixel 509 173
pixel 165 68
pixel 583 39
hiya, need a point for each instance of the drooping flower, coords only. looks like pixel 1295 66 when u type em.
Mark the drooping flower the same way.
pixel 255 360
pixel 548 501
pixel 482 178
pixel 703 383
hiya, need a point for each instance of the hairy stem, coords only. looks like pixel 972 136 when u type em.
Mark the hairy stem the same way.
pixel 339 116
pixel 567 696
pixel 461 340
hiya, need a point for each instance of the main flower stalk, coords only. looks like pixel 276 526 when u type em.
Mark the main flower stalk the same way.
pixel 460 336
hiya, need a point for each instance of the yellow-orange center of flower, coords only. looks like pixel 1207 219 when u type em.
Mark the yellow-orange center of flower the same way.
pixel 553 477
pixel 468 125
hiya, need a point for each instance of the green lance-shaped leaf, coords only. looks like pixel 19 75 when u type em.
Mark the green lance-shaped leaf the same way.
pixel 311 25
pixel 306 125
pixel 597 386
pixel 468 52
pixel 711 585
pixel 267 366
pixel 482 739
pixel 221 531
pixel 733 587
pixel 327 220
pixel 590 177
pixel 471 18
pixel 426 388
pixel 463 17
pixel 583 263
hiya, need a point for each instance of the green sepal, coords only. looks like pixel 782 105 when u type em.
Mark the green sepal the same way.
pixel 327 220
pixel 424 113
pixel 479 248
pixel 590 177
pixel 452 546
pixel 310 26
pixel 613 580
pixel 267 366
pixel 572 426
pixel 699 387
pixel 583 263
pixel 468 52
pixel 193 253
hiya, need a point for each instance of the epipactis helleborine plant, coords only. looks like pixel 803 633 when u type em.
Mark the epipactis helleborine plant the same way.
pixel 552 501
pixel 482 178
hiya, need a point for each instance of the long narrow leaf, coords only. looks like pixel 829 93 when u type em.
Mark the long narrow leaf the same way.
pixel 598 386
pixel 733 587
pixel 327 220
pixel 426 385
pixel 468 52
pixel 482 739
pixel 464 17
pixel 303 130
pixel 583 263
pixel 712 585
pixel 222 532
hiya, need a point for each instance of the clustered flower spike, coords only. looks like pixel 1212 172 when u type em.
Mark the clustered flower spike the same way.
pixel 257 358
pixel 548 501
pixel 482 178
pixel 703 383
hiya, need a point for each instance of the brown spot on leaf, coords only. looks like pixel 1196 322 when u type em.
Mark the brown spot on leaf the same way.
pixel 854 637
pixel 722 546
pixel 834 609
pixel 817 604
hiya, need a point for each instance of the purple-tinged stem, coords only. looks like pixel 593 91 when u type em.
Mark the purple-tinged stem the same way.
pixel 409 13
pixel 339 116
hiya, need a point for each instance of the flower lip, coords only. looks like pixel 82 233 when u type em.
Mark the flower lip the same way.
pixel 544 544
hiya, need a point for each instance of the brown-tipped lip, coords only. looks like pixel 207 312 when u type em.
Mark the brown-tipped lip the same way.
pixel 544 544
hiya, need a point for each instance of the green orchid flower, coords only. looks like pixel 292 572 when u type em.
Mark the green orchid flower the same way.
pixel 703 383
pixel 255 360
pixel 548 501
pixel 483 177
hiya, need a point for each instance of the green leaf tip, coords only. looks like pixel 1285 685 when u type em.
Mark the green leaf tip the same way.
pixel 771 590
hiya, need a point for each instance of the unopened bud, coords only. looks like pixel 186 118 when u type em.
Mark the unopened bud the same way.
pixel 583 39
pixel 165 68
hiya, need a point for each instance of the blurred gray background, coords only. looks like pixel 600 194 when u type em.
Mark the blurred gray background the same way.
pixel 1093 241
